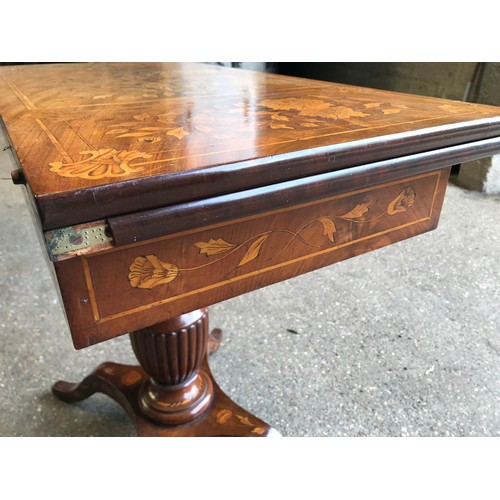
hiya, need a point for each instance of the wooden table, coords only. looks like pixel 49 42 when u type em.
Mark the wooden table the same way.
pixel 160 189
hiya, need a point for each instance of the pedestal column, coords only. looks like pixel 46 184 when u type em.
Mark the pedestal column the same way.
pixel 177 390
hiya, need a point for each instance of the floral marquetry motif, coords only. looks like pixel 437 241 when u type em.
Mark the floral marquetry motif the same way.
pixel 402 202
pixel 149 271
pixel 99 164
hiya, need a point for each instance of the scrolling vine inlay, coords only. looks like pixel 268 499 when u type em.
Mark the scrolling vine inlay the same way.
pixel 149 271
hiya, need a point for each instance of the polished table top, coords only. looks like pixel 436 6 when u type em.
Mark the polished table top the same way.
pixel 98 140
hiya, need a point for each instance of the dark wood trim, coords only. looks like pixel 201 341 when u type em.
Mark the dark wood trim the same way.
pixel 96 202
pixel 146 225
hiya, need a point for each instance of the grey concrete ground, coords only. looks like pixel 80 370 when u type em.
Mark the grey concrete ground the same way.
pixel 404 341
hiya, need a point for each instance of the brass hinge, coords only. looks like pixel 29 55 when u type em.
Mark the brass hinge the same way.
pixel 78 240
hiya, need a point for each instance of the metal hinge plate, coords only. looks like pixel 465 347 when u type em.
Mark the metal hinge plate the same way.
pixel 78 240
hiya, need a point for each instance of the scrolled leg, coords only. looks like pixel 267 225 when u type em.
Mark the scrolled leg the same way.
pixel 173 392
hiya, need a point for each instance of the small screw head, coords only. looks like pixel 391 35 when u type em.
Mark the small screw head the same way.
pixel 76 239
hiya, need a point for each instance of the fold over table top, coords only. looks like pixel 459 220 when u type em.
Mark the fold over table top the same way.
pixel 98 140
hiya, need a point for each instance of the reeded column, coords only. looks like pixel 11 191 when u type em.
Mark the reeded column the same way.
pixel 177 390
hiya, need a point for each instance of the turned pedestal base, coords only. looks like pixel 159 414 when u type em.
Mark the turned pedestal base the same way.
pixel 172 392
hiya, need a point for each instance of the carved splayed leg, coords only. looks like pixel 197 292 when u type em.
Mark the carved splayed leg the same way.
pixel 173 392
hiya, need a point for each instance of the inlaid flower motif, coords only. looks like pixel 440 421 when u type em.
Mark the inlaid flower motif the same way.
pixel 99 164
pixel 149 271
pixel 402 202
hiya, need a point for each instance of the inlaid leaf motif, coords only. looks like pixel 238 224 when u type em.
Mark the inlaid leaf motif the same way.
pixel 223 416
pixel 212 247
pixel 178 133
pixel 357 212
pixel 403 201
pixel 149 271
pixel 254 249
pixel 244 420
pixel 329 228
pixel 258 430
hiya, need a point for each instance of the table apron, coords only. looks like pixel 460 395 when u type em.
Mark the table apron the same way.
pixel 133 286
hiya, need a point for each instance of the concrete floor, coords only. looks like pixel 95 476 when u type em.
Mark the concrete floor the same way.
pixel 404 341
